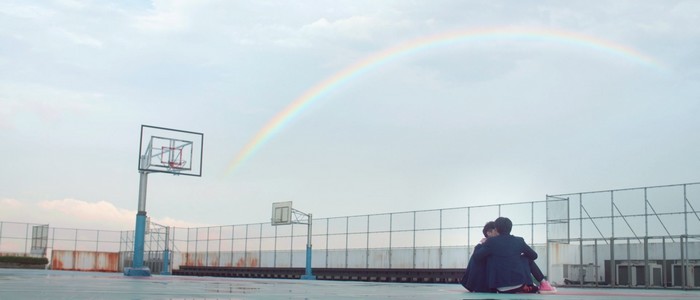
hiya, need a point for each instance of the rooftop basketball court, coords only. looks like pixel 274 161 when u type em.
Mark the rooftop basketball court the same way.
pixel 43 284
pixel 625 238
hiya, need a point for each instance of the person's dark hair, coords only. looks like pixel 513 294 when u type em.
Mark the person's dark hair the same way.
pixel 503 225
pixel 489 225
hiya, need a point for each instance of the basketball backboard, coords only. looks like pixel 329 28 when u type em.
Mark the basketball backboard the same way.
pixel 281 213
pixel 168 150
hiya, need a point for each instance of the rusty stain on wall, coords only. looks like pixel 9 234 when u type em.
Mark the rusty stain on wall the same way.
pixel 251 262
pixel 56 263
pixel 85 261
pixel 188 259
pixel 240 263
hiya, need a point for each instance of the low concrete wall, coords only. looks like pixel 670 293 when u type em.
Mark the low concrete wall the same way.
pixel 85 261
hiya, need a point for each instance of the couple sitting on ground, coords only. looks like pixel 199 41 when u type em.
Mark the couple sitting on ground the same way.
pixel 502 263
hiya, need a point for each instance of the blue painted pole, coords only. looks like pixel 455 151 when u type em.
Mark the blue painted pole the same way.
pixel 166 262
pixel 166 253
pixel 308 274
pixel 137 268
pixel 139 239
pixel 308 260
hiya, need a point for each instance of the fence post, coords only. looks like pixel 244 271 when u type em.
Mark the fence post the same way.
pixel 27 239
pixel 196 245
pixel 546 233
pixel 328 223
pixel 685 209
pixel 233 239
pixel 663 266
pixel 291 246
pixel 440 251
pixel 206 251
pixel 580 216
pixel 683 265
pixel 414 239
pixel 166 253
pixel 53 241
pixel 613 266
pixel 367 252
pixel 612 214
pixel 391 231
pixel 347 238
pixel 245 248
pixel 629 265
pixel 646 261
pixel 580 247
pixel 218 261
pixel 595 255
pixel 260 246
pixel 646 214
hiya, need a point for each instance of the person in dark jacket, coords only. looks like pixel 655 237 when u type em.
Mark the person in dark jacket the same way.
pixel 474 279
pixel 505 270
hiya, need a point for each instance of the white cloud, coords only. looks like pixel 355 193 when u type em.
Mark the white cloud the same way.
pixel 167 221
pixel 80 39
pixel 101 211
pixel 362 28
pixel 25 11
pixel 47 103
pixel 169 16
pixel 74 4
pixel 10 203
pixel 162 21
pixel 79 214
pixel 68 213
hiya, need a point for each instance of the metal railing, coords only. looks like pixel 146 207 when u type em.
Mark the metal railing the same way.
pixel 437 238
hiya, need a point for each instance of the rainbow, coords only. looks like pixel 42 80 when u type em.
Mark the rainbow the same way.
pixel 380 58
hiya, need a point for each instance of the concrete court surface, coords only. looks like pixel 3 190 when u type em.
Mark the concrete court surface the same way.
pixel 47 284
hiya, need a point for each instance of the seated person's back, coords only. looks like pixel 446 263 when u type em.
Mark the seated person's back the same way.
pixel 503 254
pixel 475 279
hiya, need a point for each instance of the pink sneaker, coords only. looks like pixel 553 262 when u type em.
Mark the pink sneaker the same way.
pixel 546 288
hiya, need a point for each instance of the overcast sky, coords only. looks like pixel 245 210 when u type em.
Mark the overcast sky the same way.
pixel 478 121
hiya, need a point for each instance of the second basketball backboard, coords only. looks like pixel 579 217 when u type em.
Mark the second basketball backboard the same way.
pixel 281 213
pixel 168 150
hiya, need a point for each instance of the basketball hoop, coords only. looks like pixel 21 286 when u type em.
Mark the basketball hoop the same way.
pixel 172 151
pixel 176 164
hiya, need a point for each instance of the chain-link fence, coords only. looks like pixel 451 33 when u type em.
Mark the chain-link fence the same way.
pixel 441 238
pixel 628 237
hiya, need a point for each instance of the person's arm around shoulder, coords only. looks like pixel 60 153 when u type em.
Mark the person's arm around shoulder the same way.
pixel 482 250
pixel 527 251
